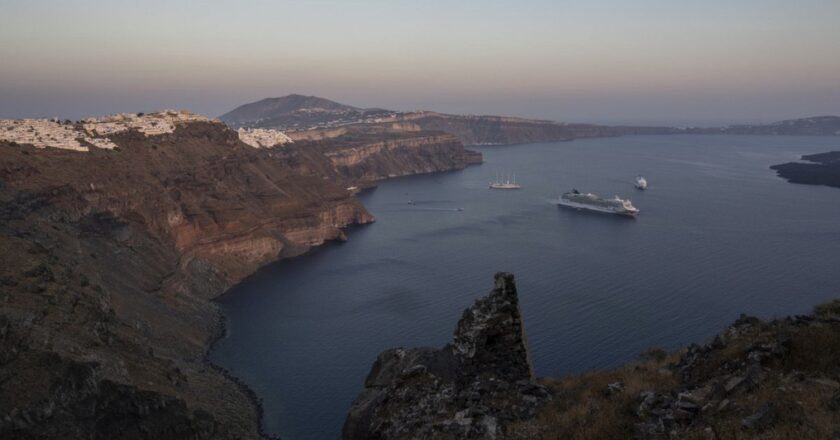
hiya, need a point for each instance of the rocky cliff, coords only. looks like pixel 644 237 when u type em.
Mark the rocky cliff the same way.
pixel 500 130
pixel 110 258
pixel 472 388
pixel 366 154
pixel 758 379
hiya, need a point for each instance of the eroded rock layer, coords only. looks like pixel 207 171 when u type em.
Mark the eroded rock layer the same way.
pixel 108 260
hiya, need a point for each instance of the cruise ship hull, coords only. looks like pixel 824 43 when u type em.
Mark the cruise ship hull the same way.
pixel 601 209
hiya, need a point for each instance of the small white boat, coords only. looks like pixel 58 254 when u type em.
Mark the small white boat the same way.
pixel 508 184
pixel 641 182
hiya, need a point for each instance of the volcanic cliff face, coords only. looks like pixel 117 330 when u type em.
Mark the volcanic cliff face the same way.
pixel 472 388
pixel 500 130
pixel 366 154
pixel 109 258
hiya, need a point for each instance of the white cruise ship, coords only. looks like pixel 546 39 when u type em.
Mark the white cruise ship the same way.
pixel 576 199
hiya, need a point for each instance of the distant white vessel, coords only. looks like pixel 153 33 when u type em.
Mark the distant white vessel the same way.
pixel 508 184
pixel 576 199
pixel 641 182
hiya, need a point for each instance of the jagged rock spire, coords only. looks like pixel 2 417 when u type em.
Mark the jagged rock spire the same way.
pixel 490 336
pixel 471 388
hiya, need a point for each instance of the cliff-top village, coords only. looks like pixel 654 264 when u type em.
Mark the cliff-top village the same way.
pixel 53 133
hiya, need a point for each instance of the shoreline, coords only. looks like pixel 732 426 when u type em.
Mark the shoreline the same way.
pixel 249 392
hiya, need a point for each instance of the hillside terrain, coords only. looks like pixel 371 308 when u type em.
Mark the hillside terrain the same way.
pixel 298 112
pixel 112 248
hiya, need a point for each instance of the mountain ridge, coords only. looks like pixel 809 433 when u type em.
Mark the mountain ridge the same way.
pixel 302 113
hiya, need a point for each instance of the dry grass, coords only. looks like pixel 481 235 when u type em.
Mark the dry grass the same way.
pixel 828 310
pixel 581 410
pixel 816 349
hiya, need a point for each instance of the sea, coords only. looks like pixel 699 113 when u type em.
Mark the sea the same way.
pixel 719 234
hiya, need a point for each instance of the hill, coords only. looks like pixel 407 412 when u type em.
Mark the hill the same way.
pixel 294 112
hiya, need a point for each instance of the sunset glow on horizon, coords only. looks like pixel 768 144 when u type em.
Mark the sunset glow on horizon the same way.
pixel 650 61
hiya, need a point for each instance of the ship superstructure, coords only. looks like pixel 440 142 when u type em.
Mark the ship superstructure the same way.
pixel 592 202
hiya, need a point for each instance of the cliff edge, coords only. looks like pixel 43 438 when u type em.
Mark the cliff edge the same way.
pixel 115 235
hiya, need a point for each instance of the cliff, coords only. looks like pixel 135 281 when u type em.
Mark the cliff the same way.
pixel 500 130
pixel 366 154
pixel 819 169
pixel 109 259
pixel 757 380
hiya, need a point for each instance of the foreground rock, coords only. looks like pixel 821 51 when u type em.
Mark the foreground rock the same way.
pixel 472 388
pixel 758 379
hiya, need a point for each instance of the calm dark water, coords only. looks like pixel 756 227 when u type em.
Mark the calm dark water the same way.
pixel 718 234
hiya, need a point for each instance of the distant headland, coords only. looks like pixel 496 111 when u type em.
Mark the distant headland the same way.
pixel 818 169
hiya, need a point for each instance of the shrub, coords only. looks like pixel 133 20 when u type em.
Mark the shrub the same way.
pixel 830 309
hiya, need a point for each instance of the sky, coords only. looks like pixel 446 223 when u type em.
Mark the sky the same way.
pixel 638 61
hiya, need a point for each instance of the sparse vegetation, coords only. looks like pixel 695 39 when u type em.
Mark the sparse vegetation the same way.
pixel 828 310
pixel 760 380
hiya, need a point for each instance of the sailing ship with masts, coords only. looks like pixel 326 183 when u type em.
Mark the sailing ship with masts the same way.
pixel 507 184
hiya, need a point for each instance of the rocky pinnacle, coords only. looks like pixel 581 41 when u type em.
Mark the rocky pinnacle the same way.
pixel 471 388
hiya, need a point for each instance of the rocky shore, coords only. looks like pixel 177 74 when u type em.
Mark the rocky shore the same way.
pixel 776 379
pixel 109 260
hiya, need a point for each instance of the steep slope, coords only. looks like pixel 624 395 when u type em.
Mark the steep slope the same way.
pixel 365 154
pixel 109 260
pixel 500 130
pixel 110 252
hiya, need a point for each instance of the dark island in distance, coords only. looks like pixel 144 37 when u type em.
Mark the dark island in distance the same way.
pixel 116 234
pixel 818 169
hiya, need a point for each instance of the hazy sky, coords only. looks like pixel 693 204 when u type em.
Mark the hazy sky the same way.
pixel 637 61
